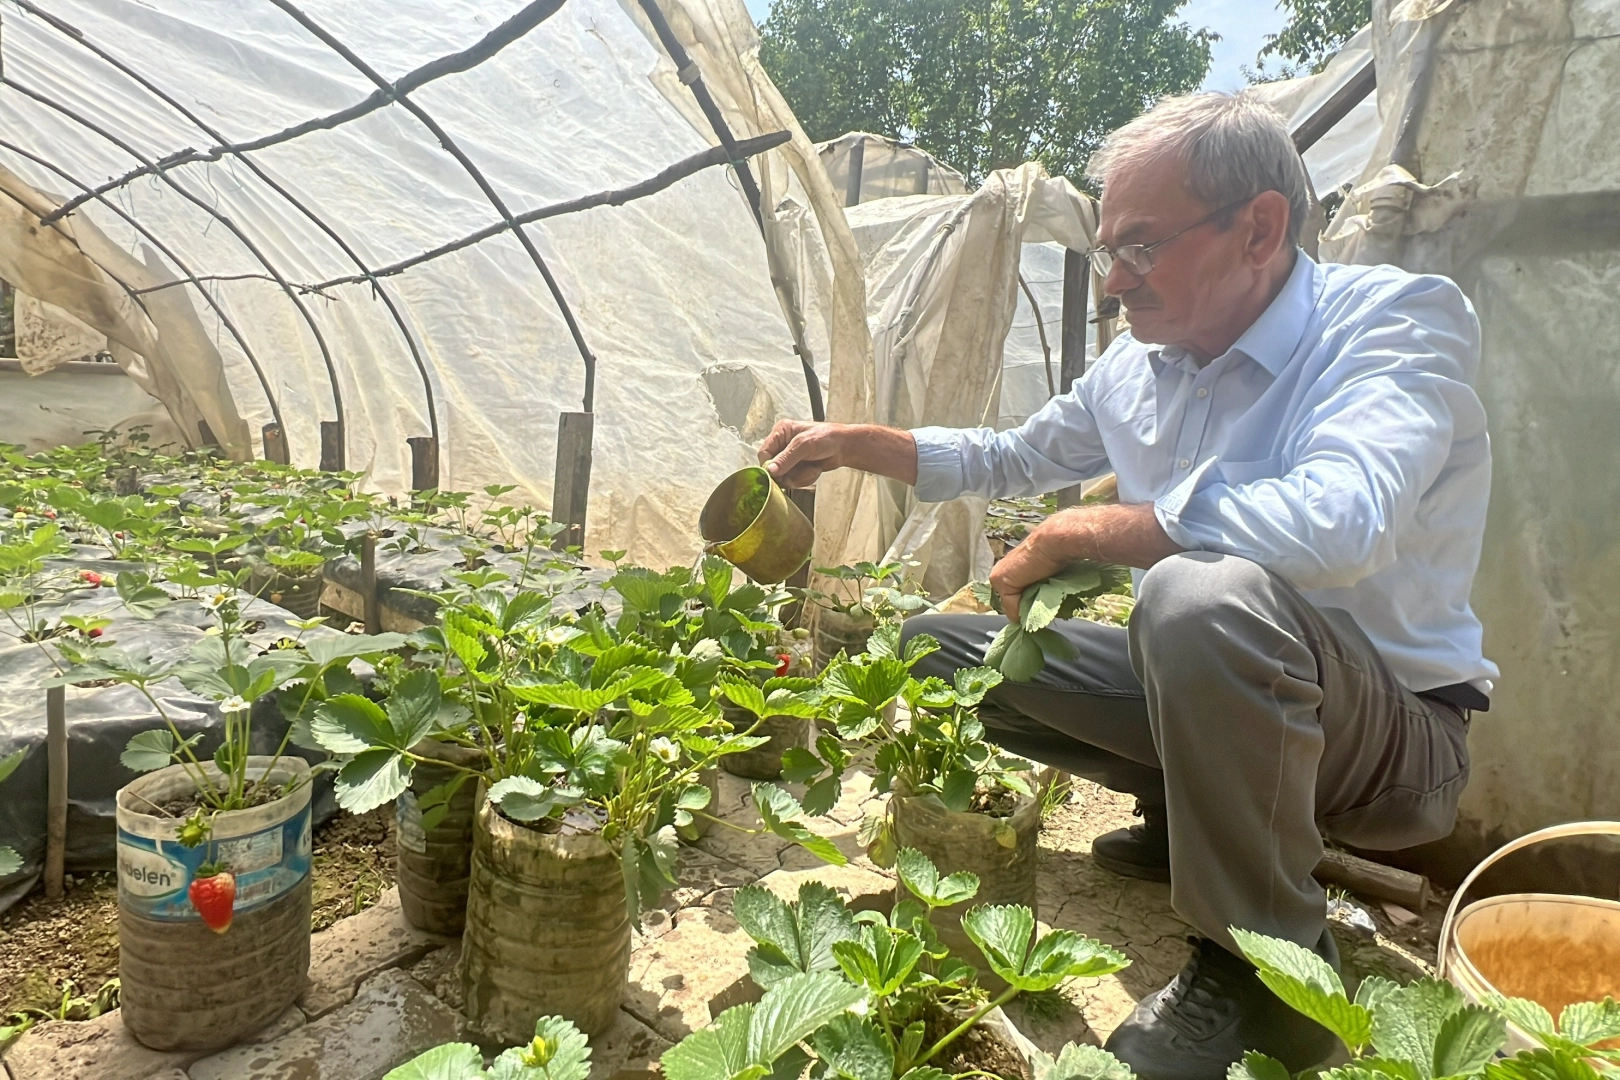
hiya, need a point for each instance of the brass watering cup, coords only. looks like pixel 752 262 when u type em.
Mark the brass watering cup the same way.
pixel 750 522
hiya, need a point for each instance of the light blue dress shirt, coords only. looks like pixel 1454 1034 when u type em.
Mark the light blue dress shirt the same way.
pixel 1339 443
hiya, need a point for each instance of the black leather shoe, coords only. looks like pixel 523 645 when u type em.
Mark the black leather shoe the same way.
pixel 1141 851
pixel 1211 1013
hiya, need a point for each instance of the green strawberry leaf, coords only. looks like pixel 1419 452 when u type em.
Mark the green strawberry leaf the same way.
pixel 1308 985
pixel 921 877
pixel 373 778
pixel 452 1061
pixel 855 1047
pixel 1254 1066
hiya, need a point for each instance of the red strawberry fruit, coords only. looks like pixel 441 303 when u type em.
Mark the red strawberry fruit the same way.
pixel 213 894
pixel 90 578
pixel 94 631
pixel 783 662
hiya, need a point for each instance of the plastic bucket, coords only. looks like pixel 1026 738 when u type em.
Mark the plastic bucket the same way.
pixel 184 986
pixel 750 522
pixel 1551 948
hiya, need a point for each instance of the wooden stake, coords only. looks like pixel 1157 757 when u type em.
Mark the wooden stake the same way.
pixel 1076 294
pixel 570 489
pixel 368 584
pixel 275 445
pixel 332 446
pixel 1368 878
pixel 56 789
pixel 424 462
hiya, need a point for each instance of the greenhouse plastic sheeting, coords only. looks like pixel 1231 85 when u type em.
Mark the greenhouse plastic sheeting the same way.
pixel 663 287
pixel 1498 164
pixel 942 294
pixel 101 720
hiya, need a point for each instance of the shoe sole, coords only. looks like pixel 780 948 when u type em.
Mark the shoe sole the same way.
pixel 1160 874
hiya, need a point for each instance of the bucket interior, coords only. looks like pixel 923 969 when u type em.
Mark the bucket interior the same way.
pixel 735 505
pixel 1551 949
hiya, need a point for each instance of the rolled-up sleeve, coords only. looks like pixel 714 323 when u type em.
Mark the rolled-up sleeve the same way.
pixel 1058 446
pixel 1336 501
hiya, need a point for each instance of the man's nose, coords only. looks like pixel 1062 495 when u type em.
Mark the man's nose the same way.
pixel 1120 279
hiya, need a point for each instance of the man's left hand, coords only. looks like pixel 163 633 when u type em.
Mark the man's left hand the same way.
pixel 1047 550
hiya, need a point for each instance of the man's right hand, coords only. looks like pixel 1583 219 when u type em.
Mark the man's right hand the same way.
pixel 797 452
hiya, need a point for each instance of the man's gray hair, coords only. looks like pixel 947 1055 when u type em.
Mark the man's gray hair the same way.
pixel 1234 147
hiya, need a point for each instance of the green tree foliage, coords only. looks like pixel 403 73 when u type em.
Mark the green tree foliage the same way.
pixel 1316 29
pixel 982 85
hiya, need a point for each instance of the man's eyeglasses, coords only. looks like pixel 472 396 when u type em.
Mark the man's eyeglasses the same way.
pixel 1138 258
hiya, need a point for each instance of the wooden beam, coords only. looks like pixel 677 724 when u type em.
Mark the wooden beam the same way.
pixel 332 446
pixel 1368 878
pixel 1337 107
pixel 275 445
pixel 424 462
pixel 1072 347
pixel 368 583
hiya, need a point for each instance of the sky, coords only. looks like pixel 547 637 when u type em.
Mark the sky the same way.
pixel 1242 24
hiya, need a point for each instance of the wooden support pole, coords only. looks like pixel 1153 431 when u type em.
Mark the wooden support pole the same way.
pixel 857 166
pixel 372 607
pixel 424 462
pixel 56 789
pixel 570 489
pixel 1368 878
pixel 275 445
pixel 1076 296
pixel 332 446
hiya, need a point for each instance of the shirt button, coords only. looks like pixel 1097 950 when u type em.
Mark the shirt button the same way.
pixel 1203 391
pixel 1183 463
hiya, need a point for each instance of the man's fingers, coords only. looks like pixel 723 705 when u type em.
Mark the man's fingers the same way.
pixel 781 435
pixel 1010 603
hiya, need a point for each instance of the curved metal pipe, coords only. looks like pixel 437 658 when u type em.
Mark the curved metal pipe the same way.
pixel 91 125
pixel 472 170
pixel 225 320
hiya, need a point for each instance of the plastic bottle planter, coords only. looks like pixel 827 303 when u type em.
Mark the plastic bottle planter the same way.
pixel 434 864
pixel 765 762
pixel 835 631
pixel 300 594
pixel 961 841
pixel 547 931
pixel 186 987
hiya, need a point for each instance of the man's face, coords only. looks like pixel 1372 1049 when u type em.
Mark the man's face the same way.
pixel 1196 278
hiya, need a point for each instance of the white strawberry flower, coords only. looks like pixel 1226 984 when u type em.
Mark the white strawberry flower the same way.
pixel 215 601
pixel 664 750
pixel 234 703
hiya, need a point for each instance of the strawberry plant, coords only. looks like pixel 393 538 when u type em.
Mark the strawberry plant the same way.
pixel 940 749
pixel 10 861
pixel 875 996
pixel 558 1051
pixel 577 719
pixel 1022 647
pixel 1427 1030
pixel 877 592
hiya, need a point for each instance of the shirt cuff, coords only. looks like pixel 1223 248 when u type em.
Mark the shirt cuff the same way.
pixel 939 464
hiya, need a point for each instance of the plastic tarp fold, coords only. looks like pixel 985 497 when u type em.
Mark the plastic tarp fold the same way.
pixel 942 291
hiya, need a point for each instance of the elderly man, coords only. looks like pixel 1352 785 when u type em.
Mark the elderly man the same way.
pixel 1303 474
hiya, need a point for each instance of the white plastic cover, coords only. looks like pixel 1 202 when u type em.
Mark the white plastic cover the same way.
pixel 662 288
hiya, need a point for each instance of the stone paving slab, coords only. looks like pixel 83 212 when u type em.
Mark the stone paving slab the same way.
pixel 673 977
pixel 629 1046
pixel 391 1019
pixel 98 1049
pixel 353 949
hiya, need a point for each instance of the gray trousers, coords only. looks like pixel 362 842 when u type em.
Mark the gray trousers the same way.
pixel 1259 722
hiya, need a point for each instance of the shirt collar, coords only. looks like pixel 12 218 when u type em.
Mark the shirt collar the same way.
pixel 1270 340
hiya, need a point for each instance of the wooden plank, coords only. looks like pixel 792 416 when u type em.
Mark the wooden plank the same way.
pixel 1337 107
pixel 56 789
pixel 570 490
pixel 857 166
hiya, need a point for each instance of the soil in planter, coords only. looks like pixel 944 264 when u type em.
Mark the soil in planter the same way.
pixel 44 943
pixel 975 1048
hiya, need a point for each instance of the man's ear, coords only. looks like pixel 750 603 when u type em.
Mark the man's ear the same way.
pixel 1268 231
